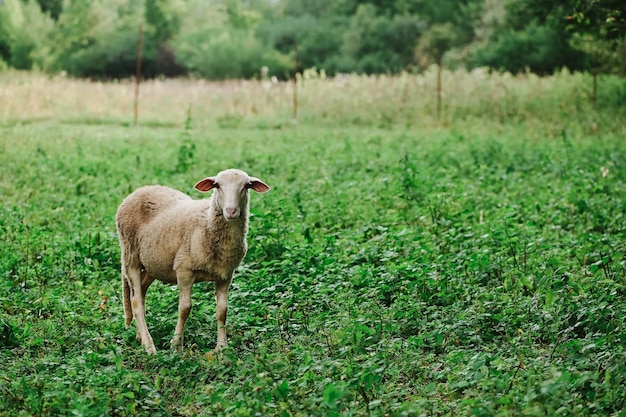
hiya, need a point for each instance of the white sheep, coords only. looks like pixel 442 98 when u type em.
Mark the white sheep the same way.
pixel 166 235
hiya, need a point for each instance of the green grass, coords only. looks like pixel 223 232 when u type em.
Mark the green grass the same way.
pixel 474 268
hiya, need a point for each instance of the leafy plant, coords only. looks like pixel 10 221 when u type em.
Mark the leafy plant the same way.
pixel 187 148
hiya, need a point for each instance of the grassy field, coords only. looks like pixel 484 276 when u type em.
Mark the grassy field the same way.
pixel 400 265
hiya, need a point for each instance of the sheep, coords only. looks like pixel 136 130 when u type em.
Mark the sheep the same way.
pixel 164 234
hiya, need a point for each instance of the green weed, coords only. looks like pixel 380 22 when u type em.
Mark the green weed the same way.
pixel 472 269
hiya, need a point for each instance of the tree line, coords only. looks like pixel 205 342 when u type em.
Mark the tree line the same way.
pixel 234 38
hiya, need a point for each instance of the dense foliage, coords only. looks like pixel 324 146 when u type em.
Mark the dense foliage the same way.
pixel 235 38
pixel 398 266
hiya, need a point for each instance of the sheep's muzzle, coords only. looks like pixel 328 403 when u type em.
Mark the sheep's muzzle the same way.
pixel 231 213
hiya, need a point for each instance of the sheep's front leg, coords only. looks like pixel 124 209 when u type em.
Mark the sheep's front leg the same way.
pixel 185 283
pixel 221 292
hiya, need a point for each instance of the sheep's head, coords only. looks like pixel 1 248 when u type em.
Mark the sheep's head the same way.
pixel 231 190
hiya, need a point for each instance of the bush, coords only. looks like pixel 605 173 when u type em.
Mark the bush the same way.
pixel 322 43
pixel 283 34
pixel 21 46
pixel 380 44
pixel 221 53
pixel 90 39
pixel 539 49
pixel 97 40
pixel 115 57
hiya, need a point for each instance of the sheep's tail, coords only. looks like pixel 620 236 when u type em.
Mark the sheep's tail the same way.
pixel 128 306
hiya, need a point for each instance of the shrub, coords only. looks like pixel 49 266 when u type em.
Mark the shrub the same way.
pixel 99 40
pixel 220 53
pixel 380 44
pixel 21 46
pixel 539 49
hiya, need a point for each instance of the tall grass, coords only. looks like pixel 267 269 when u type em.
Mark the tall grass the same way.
pixel 407 99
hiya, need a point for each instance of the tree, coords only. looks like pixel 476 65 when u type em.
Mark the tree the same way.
pixel 532 36
pixel 52 7
pixel 20 46
pixel 536 48
pixel 98 38
pixel 438 40
pixel 222 42
pixel 379 44
pixel 318 8
pixel 606 18
pixel 600 31
pixel 163 20
pixel 93 38
pixel 322 45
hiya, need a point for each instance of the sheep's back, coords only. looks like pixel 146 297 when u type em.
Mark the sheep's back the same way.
pixel 144 205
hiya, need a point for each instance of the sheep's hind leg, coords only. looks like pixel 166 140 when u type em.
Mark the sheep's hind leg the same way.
pixel 185 283
pixel 138 301
pixel 146 281
pixel 126 295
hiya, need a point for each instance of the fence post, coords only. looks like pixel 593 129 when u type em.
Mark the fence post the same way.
pixel 295 83
pixel 138 74
pixel 439 72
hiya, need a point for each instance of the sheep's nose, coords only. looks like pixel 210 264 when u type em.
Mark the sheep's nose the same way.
pixel 231 213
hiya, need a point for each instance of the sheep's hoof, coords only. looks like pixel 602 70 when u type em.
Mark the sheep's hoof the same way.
pixel 150 350
pixel 218 348
pixel 214 354
pixel 177 344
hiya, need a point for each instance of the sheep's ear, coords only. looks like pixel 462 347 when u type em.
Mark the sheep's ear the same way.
pixel 258 185
pixel 206 184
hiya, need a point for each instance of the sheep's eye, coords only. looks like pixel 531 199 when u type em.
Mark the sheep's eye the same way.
pixel 216 185
pixel 248 185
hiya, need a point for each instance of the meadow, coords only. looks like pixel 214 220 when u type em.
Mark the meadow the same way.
pixel 400 265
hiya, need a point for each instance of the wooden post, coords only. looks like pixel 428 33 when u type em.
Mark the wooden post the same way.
pixel 138 74
pixel 595 68
pixel 295 83
pixel 439 71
